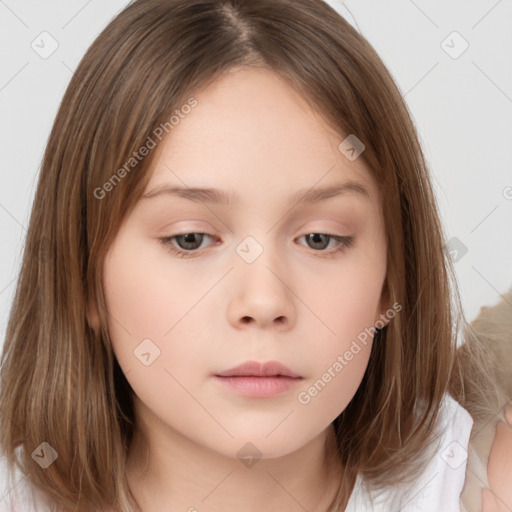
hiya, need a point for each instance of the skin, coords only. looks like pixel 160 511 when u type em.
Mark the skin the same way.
pixel 499 469
pixel 253 134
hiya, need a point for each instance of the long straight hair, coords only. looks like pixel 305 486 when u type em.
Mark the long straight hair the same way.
pixel 60 381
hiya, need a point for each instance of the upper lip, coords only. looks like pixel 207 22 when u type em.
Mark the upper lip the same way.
pixel 257 369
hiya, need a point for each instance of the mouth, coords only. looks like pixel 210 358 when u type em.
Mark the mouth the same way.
pixel 258 380
pixel 257 369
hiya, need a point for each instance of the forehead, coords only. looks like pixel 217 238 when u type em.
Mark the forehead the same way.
pixel 252 131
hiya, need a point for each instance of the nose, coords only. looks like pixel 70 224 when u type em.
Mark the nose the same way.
pixel 261 295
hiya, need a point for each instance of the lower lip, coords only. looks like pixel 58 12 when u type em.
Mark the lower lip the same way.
pixel 259 387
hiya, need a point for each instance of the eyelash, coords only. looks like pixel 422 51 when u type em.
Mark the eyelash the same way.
pixel 345 242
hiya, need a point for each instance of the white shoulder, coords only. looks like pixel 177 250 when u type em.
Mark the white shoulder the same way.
pixel 440 484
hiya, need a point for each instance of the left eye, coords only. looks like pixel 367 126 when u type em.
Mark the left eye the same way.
pixel 188 243
pixel 317 239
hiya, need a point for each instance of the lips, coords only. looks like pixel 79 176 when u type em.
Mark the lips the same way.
pixel 258 380
pixel 257 369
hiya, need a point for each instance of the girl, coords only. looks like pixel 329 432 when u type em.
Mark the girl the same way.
pixel 299 356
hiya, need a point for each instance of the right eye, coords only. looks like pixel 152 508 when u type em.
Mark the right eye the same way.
pixel 187 243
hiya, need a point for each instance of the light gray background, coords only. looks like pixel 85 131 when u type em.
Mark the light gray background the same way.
pixel 462 108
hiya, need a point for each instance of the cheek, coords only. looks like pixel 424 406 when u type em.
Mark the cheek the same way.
pixel 346 292
pixel 348 301
pixel 148 299
pixel 328 393
pixel 348 310
pixel 339 355
pixel 151 324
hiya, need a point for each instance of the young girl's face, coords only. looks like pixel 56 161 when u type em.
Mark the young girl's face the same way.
pixel 256 284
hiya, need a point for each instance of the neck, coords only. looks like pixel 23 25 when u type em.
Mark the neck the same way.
pixel 171 472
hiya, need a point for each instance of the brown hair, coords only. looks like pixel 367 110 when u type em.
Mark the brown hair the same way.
pixel 60 381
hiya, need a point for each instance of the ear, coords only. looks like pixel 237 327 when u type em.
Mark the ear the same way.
pixel 385 312
pixel 93 316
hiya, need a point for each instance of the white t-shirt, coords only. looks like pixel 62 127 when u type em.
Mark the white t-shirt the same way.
pixel 20 497
pixel 439 486
pixel 437 489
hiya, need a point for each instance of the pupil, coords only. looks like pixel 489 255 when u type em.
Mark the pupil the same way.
pixel 314 239
pixel 188 239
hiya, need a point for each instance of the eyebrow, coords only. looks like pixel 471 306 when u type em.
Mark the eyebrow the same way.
pixel 216 196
